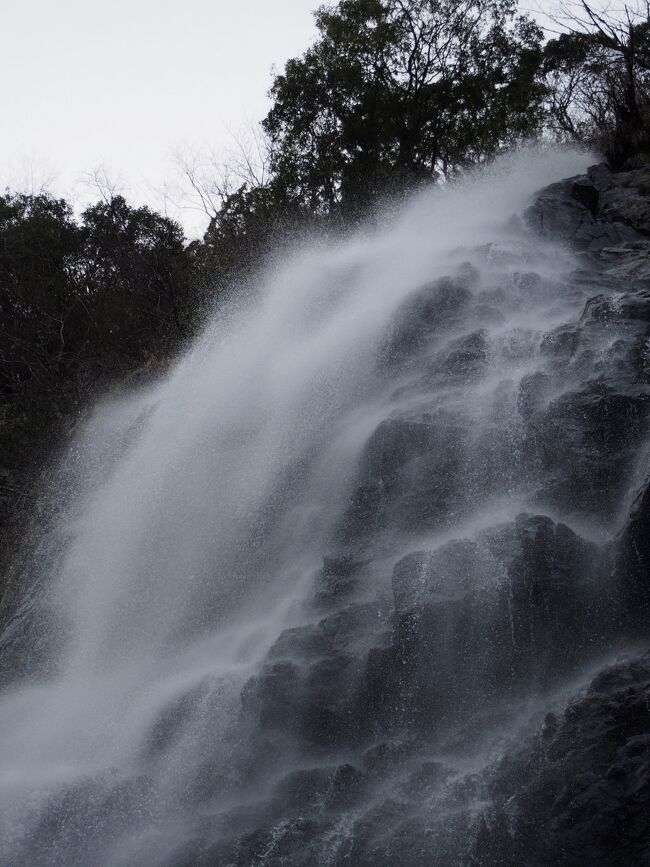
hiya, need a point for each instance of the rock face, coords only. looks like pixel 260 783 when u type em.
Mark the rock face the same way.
pixel 578 791
pixel 467 683
pixel 428 700
pixel 600 210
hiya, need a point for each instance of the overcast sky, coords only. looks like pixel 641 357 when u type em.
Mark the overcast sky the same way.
pixel 123 83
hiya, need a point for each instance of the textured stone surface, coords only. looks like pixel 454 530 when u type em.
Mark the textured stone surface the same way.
pixel 447 694
pixel 417 659
pixel 579 790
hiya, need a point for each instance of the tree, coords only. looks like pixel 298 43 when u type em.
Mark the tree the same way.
pixel 40 244
pixel 209 178
pixel 135 274
pixel 395 92
pixel 599 80
pixel 76 296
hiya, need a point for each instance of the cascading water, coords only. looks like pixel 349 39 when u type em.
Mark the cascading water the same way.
pixel 182 692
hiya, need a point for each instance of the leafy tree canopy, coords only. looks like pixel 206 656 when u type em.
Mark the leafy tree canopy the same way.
pixel 396 91
pixel 76 295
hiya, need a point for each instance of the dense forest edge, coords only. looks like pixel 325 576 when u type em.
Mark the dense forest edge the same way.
pixel 392 96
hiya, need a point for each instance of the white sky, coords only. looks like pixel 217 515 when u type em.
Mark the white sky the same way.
pixel 123 83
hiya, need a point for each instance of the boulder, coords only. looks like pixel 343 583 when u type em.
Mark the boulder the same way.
pixel 568 211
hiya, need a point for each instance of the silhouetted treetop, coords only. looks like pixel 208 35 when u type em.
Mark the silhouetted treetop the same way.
pixel 598 74
pixel 396 91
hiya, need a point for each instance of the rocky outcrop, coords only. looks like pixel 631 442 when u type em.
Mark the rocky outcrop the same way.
pixel 578 791
pixel 602 209
pixel 420 640
pixel 466 681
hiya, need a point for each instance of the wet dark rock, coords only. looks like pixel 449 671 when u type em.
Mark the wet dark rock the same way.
pixel 633 564
pixel 272 697
pixel 381 693
pixel 346 787
pixel 585 442
pixel 635 542
pixel 302 643
pixel 480 627
pixel 627 200
pixel 171 723
pixel 410 471
pixel 387 757
pixel 584 191
pixel 354 625
pixel 517 345
pixel 427 312
pixel 579 791
pixel 528 285
pixel 450 571
pixel 601 176
pixel 467 276
pixel 549 600
pixel 556 214
pixel 91 805
pixel 534 390
pixel 291 843
pixel 431 646
pixel 426 779
pixel 296 820
pixel 329 717
pixel 370 838
pixel 599 308
pixel 303 788
pixel 32 638
pixel 478 619
pixel 629 262
pixel 397 442
pixel 338 579
pixel 634 307
pixel 561 344
pixel 626 306
pixel 463 357
pixel 488 314
pixel 316 701
pixel 349 628
pixel 637 358
pixel 568 211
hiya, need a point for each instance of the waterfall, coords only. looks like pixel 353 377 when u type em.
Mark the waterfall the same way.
pixel 167 643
